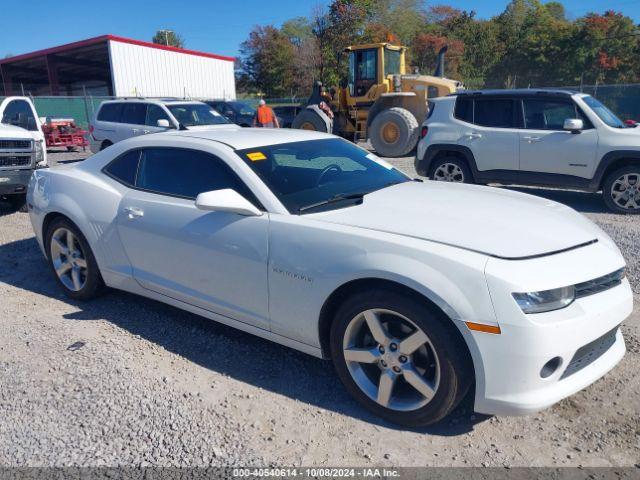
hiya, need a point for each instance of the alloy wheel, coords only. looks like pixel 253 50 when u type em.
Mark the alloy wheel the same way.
pixel 448 172
pixel 391 359
pixel 625 191
pixel 68 259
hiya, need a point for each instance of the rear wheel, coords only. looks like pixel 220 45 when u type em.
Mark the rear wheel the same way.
pixel 450 169
pixel 309 120
pixel 72 261
pixel 621 190
pixel 398 359
pixel 394 132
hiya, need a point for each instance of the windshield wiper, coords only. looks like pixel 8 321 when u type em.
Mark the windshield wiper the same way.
pixel 335 199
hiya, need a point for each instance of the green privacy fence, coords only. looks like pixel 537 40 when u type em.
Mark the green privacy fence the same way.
pixel 624 100
pixel 81 109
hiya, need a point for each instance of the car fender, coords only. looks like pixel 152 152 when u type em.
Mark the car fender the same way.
pixel 300 284
pixel 443 290
pixel 609 159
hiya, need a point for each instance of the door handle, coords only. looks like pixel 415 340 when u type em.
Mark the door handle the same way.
pixel 146 131
pixel 133 212
pixel 473 135
pixel 531 139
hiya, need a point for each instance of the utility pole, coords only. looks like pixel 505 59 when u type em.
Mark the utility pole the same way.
pixel 166 36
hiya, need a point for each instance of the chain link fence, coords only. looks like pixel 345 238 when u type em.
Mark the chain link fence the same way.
pixel 623 100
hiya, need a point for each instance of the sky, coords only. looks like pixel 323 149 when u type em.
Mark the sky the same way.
pixel 209 25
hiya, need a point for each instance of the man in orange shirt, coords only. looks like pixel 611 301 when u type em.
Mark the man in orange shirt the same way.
pixel 265 118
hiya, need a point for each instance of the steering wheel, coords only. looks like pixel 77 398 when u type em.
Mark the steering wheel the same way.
pixel 329 168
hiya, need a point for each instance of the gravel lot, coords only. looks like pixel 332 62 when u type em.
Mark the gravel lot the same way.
pixel 127 381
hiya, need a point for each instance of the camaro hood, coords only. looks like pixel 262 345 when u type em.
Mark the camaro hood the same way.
pixel 221 126
pixel 497 222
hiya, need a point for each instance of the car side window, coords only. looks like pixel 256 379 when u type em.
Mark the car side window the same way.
pixel 134 113
pixel 495 112
pixel 124 168
pixel 464 109
pixel 187 173
pixel 110 112
pixel 547 114
pixel 20 114
pixel 155 113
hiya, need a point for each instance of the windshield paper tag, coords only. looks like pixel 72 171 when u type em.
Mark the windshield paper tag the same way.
pixel 256 156
pixel 379 161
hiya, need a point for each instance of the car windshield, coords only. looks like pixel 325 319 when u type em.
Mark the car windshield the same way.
pixel 242 108
pixel 196 114
pixel 316 175
pixel 606 115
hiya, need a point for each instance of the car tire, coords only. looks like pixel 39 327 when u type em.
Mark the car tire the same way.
pixel 443 362
pixel 105 144
pixel 394 132
pixel 450 169
pixel 18 202
pixel 625 180
pixel 309 120
pixel 72 261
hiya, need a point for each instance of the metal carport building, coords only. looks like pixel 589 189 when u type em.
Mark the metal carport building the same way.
pixel 116 66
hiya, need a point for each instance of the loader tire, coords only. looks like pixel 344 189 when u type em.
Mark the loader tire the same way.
pixel 394 132
pixel 309 120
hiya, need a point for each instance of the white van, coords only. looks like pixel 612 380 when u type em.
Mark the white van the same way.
pixel 117 120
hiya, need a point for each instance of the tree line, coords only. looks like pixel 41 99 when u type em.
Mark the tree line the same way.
pixel 529 44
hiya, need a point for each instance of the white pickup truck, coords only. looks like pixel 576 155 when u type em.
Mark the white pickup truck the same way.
pixel 22 147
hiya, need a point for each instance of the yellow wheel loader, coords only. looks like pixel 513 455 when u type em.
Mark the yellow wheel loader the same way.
pixel 379 101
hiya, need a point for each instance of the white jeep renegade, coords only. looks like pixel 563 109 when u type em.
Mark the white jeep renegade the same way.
pixel 550 138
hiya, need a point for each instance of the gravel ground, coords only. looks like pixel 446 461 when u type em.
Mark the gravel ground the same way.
pixel 127 381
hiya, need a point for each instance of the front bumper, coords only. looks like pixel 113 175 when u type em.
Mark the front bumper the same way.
pixel 14 182
pixel 584 337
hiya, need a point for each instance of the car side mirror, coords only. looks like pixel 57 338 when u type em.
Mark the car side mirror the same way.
pixel 226 200
pixel 164 123
pixel 573 125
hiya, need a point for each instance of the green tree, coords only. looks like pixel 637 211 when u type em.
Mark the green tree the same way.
pixel 169 38
pixel 267 62
pixel 534 41
pixel 606 48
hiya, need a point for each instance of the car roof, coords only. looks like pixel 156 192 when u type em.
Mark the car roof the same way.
pixel 243 138
pixel 515 92
pixel 164 101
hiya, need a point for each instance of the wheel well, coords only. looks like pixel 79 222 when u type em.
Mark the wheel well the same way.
pixel 48 219
pixel 331 305
pixel 105 144
pixel 616 164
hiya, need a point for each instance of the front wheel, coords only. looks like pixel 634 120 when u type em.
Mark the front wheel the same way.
pixel 71 260
pixel 398 358
pixel 621 190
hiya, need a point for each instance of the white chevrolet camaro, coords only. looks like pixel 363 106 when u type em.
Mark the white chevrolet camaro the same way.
pixel 415 290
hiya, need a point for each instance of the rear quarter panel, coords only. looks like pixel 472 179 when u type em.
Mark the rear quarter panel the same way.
pixel 92 204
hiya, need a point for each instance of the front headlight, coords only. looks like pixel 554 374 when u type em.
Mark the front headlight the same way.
pixel 39 150
pixel 546 300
